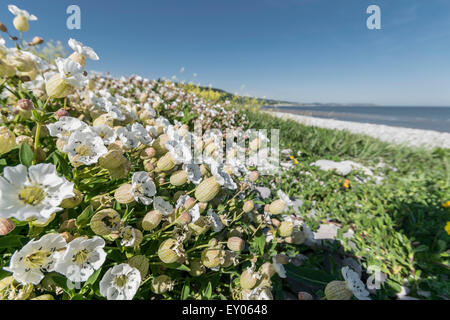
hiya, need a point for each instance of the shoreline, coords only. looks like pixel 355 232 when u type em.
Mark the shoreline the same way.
pixel 397 135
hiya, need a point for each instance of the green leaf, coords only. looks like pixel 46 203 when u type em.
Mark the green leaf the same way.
pixel 85 217
pixel 304 274
pixel 260 241
pixel 92 278
pixel 26 155
pixel 12 241
pixel 207 292
pixel 178 266
pixel 185 291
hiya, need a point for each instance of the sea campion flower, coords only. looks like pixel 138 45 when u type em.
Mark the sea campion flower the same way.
pixel 22 17
pixel 216 223
pixel 354 283
pixel 141 134
pixel 33 193
pixel 279 268
pixel 85 148
pixel 222 177
pixel 193 172
pixel 69 76
pixel 120 282
pixel 81 52
pixel 105 132
pixel 65 127
pixel 81 258
pixel 143 187
pixel 162 206
pixel 36 257
pixel 128 138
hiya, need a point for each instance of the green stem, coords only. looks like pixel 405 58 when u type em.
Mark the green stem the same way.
pixel 38 132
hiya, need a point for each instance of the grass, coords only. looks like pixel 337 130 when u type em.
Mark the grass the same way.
pixel 398 224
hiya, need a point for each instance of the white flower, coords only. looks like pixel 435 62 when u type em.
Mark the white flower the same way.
pixel 354 283
pixel 66 126
pixel 162 206
pixel 222 177
pixel 105 132
pixel 215 221
pixel 143 187
pixel 283 196
pixel 85 147
pixel 180 151
pixel 193 172
pixel 128 138
pixel 81 258
pixel 129 237
pixel 279 268
pixel 18 12
pixel 85 51
pixel 36 257
pixel 259 294
pixel 36 192
pixel 120 282
pixel 195 213
pixel 71 72
pixel 141 134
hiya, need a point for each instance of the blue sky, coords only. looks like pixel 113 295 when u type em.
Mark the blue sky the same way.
pixel 298 50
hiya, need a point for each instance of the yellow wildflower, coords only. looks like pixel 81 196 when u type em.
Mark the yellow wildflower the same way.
pixel 447 228
pixel 446 204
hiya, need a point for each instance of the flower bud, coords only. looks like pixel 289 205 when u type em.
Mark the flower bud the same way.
pixel 304 296
pixel 123 195
pixel 253 176
pixel 178 178
pixel 6 226
pixel 207 190
pixel 61 113
pixel 276 223
pixel 3 27
pixel 72 202
pixel 151 220
pixel 298 237
pixel 185 218
pixel 148 153
pixel 161 284
pixel 7 140
pixel 105 222
pixel 21 23
pixel 338 290
pixel 277 207
pixel 167 253
pixel 166 162
pixel 44 297
pixel 141 263
pixel 37 41
pixel 25 104
pixel 248 206
pixel 286 229
pixel 213 258
pixel 248 279
pixel 197 268
pixel 236 244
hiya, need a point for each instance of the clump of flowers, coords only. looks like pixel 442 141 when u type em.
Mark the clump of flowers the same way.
pixel 102 178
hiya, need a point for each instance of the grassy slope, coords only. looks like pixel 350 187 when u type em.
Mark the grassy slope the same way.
pixel 398 224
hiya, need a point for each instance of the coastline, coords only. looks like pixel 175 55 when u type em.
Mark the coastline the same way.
pixel 402 136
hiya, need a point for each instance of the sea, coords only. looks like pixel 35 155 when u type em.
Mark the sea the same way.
pixel 426 118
